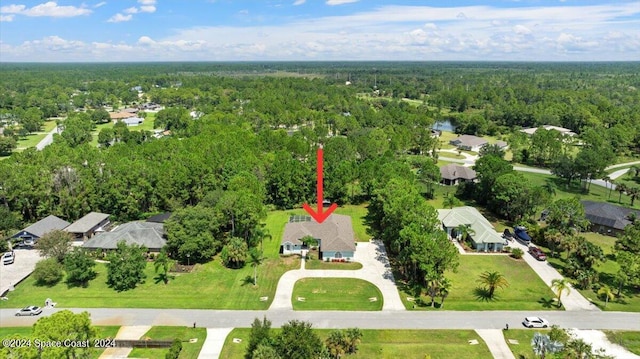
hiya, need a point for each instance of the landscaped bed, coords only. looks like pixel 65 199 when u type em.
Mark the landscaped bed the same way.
pixel 336 294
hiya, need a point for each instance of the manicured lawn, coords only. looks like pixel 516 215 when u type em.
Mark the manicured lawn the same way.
pixel 526 290
pixel 390 344
pixel 523 349
pixel 34 138
pixel 102 332
pixel 335 294
pixel 629 340
pixel 189 350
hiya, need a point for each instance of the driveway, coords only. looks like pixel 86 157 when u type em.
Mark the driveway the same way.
pixel 12 274
pixel 375 269
pixel 599 340
pixel 572 300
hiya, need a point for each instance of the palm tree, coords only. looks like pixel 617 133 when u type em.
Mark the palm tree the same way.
pixel 464 231
pixel 445 287
pixel 433 286
pixel 163 264
pixel 493 280
pixel 559 286
pixel 635 170
pixel 607 180
pixel 336 343
pixel 578 348
pixel 354 336
pixel 607 293
pixel 633 192
pixel 450 201
pixel 255 259
pixel 554 238
pixel 550 188
pixel 621 188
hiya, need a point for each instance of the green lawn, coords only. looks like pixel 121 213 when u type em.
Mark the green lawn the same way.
pixel 147 125
pixel 336 294
pixel 526 290
pixel 523 349
pixel 390 344
pixel 33 139
pixel 189 350
pixel 102 332
pixel 627 339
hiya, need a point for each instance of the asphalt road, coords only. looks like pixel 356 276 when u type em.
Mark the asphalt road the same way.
pixel 336 319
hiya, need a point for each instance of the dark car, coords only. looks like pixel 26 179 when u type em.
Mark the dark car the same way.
pixel 521 235
pixel 537 253
pixel 507 234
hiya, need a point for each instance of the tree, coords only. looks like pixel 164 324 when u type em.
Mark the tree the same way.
pixel 260 335
pixel 517 253
pixel 255 259
pixel 234 254
pixel 79 267
pixel 162 264
pixel 559 286
pixel 61 326
pixel 633 193
pixel 55 244
pixel 32 119
pixel 488 168
pixel 629 241
pixel 126 266
pixel 492 281
pixel 337 343
pixel 567 216
pixel 48 272
pixel 105 136
pixel 608 181
pixel 193 232
pixel 296 340
pixel 77 129
pixel 354 336
pixel 450 201
pixel 606 292
pixel 433 287
pixel 492 149
pixel 100 116
pixel 7 145
pixel 542 345
pixel 265 351
pixel 464 231
pixel 629 272
pixel 445 288
pixel 565 168
pixel 621 188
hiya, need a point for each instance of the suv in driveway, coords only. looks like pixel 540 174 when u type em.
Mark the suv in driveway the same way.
pixel 537 253
pixel 8 258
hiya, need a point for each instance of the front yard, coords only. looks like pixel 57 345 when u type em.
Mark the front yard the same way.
pixel 336 294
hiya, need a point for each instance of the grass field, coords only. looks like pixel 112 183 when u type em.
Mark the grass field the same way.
pixel 146 125
pixel 389 344
pixel 629 340
pixel 189 350
pixel 336 294
pixel 34 138
pixel 102 332
pixel 523 349
pixel 526 290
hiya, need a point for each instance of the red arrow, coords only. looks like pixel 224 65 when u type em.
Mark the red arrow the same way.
pixel 319 215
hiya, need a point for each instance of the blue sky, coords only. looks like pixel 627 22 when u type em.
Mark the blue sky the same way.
pixel 317 30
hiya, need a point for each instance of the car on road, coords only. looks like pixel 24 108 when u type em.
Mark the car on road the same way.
pixel 521 235
pixel 8 258
pixel 30 310
pixel 537 253
pixel 535 322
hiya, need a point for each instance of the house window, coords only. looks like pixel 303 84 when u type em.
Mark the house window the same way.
pixel 338 255
pixel 288 246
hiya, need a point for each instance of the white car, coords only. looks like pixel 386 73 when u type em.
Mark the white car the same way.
pixel 30 310
pixel 8 258
pixel 535 322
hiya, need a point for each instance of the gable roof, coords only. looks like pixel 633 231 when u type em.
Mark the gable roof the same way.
pixel 484 230
pixel 121 115
pixel 46 225
pixel 469 140
pixel 335 233
pixel 86 223
pixel 606 214
pixel 562 130
pixel 148 234
pixel 453 171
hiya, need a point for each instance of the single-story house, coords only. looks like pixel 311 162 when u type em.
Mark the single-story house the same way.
pixel 148 234
pixel 42 227
pixel 115 116
pixel 453 174
pixel 87 226
pixel 130 110
pixel 132 121
pixel 484 237
pixel 562 130
pixel 469 142
pixel 335 237
pixel 608 218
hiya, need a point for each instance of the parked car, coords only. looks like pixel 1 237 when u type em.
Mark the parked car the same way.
pixel 30 310
pixel 8 258
pixel 507 234
pixel 521 235
pixel 535 322
pixel 537 253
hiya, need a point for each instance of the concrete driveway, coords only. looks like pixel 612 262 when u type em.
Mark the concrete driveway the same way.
pixel 12 274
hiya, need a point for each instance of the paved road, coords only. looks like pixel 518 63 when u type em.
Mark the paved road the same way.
pixel 47 140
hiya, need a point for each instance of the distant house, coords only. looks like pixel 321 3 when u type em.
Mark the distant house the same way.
pixel 87 226
pixel 148 234
pixel 469 143
pixel 150 106
pixel 335 236
pixel 453 174
pixel 132 121
pixel 484 237
pixel 132 110
pixel 115 116
pixel 42 227
pixel 608 218
pixel 562 130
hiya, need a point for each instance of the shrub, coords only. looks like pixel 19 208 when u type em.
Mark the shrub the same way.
pixel 174 351
pixel 48 272
pixel 517 253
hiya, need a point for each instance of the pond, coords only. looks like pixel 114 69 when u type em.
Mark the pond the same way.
pixel 444 125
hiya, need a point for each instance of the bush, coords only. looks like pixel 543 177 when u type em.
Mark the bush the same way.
pixel 517 253
pixel 48 272
pixel 174 351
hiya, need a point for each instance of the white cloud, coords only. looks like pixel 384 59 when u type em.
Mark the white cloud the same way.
pixel 120 18
pixel 340 2
pixel 299 2
pixel 50 8
pixel 131 10
pixel 102 3
pixel 147 2
pixel 148 8
pixel 6 18
pixel 521 30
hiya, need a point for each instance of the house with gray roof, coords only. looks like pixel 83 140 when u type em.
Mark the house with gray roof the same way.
pixel 87 226
pixel 483 235
pixel 453 174
pixel 148 234
pixel 335 237
pixel 469 143
pixel 608 218
pixel 42 227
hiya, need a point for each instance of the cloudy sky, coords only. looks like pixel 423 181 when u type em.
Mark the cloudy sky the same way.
pixel 244 30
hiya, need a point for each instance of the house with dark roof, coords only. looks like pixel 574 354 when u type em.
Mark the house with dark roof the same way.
pixel 608 218
pixel 87 226
pixel 483 235
pixel 453 174
pixel 42 227
pixel 335 237
pixel 469 142
pixel 148 234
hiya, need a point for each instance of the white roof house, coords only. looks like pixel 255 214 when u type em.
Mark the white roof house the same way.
pixel 562 130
